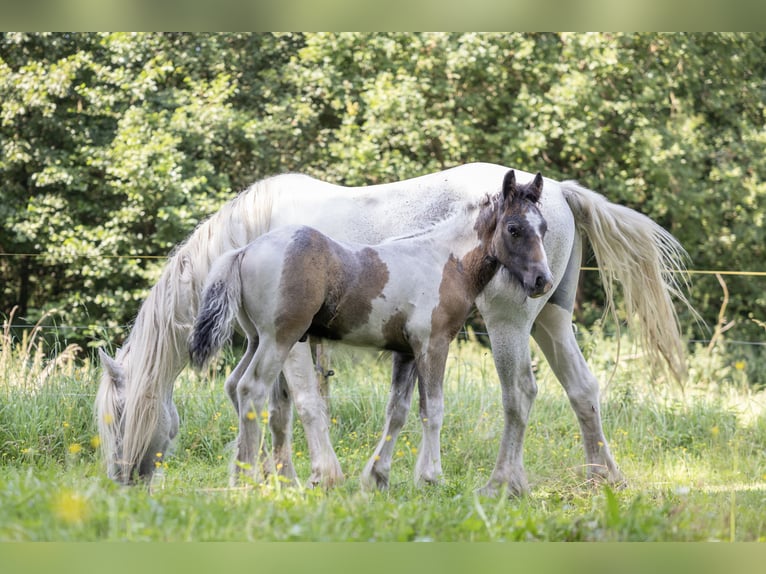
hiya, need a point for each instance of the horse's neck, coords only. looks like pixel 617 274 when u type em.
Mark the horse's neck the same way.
pixel 156 352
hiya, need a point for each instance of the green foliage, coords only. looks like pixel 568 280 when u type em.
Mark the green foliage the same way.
pixel 114 146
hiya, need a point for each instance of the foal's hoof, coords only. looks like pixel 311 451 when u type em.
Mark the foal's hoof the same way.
pixel 373 480
pixel 326 481
pixel 435 480
pixel 496 489
pixel 243 480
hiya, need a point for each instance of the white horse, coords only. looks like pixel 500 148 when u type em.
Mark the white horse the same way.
pixel 134 406
pixel 410 295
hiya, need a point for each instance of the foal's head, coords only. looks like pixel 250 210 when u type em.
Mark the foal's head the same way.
pixel 517 241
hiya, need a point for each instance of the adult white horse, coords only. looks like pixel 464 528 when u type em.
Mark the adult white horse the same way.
pixel 134 405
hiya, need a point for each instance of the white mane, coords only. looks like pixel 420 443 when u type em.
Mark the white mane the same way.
pixel 155 351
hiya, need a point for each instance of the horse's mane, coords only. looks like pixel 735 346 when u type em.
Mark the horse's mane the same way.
pixel 156 349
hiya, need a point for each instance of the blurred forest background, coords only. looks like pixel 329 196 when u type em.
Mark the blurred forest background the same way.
pixel 113 147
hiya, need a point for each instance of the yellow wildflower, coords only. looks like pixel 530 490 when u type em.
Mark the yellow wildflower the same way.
pixel 70 507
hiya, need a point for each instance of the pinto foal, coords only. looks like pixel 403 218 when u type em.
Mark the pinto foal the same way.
pixel 409 295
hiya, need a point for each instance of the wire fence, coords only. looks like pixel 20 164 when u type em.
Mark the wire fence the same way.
pixel 463 333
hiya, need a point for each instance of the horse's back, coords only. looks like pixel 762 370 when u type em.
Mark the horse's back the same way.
pixel 371 214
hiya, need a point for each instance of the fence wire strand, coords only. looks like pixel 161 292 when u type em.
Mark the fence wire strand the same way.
pixel 463 333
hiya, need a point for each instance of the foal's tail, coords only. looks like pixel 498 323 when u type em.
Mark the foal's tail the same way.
pixel 647 261
pixel 220 304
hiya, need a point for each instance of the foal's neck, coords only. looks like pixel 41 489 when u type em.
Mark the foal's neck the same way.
pixel 478 269
pixel 468 256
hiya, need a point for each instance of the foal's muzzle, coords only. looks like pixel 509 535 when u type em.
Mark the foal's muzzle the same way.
pixel 542 284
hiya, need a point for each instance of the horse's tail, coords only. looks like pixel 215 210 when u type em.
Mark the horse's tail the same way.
pixel 647 261
pixel 220 305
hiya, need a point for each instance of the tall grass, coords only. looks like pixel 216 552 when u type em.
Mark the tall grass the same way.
pixel 694 458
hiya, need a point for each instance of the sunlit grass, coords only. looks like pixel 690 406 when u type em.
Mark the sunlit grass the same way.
pixel 693 457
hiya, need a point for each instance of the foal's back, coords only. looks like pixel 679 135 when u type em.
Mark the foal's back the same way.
pixel 298 282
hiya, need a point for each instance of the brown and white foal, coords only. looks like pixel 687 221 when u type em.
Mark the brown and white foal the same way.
pixel 409 295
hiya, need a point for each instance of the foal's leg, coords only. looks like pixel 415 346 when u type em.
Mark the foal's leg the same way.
pixel 252 391
pixel 277 410
pixel 376 472
pixel 312 409
pixel 233 379
pixel 553 332
pixel 428 468
pixel 281 425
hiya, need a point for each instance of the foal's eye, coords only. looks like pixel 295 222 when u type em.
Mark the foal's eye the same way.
pixel 514 231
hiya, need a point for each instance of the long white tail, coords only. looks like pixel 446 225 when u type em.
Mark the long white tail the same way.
pixel 647 261
pixel 220 304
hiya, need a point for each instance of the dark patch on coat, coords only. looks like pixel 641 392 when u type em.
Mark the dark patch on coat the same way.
pixel 327 290
pixel 462 281
pixel 395 333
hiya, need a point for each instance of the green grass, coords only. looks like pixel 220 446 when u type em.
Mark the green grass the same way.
pixel 694 460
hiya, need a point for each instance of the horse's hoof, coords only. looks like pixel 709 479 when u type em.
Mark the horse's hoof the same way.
pixel 600 475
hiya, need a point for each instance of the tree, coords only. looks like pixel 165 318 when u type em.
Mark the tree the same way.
pixel 114 147
pixel 118 144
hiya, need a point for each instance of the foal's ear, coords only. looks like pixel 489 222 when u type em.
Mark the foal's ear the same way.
pixel 535 188
pixel 509 186
pixel 112 368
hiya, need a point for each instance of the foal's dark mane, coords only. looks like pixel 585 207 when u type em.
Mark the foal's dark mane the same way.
pixel 490 209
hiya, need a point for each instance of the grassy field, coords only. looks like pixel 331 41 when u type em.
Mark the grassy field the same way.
pixel 695 460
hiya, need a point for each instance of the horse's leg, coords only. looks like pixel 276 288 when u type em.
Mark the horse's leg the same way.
pixel 281 425
pixel 510 350
pixel 376 472
pixel 553 332
pixel 428 468
pixel 304 388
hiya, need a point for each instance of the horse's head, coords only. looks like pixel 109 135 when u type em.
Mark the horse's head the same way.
pixel 126 459
pixel 520 228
